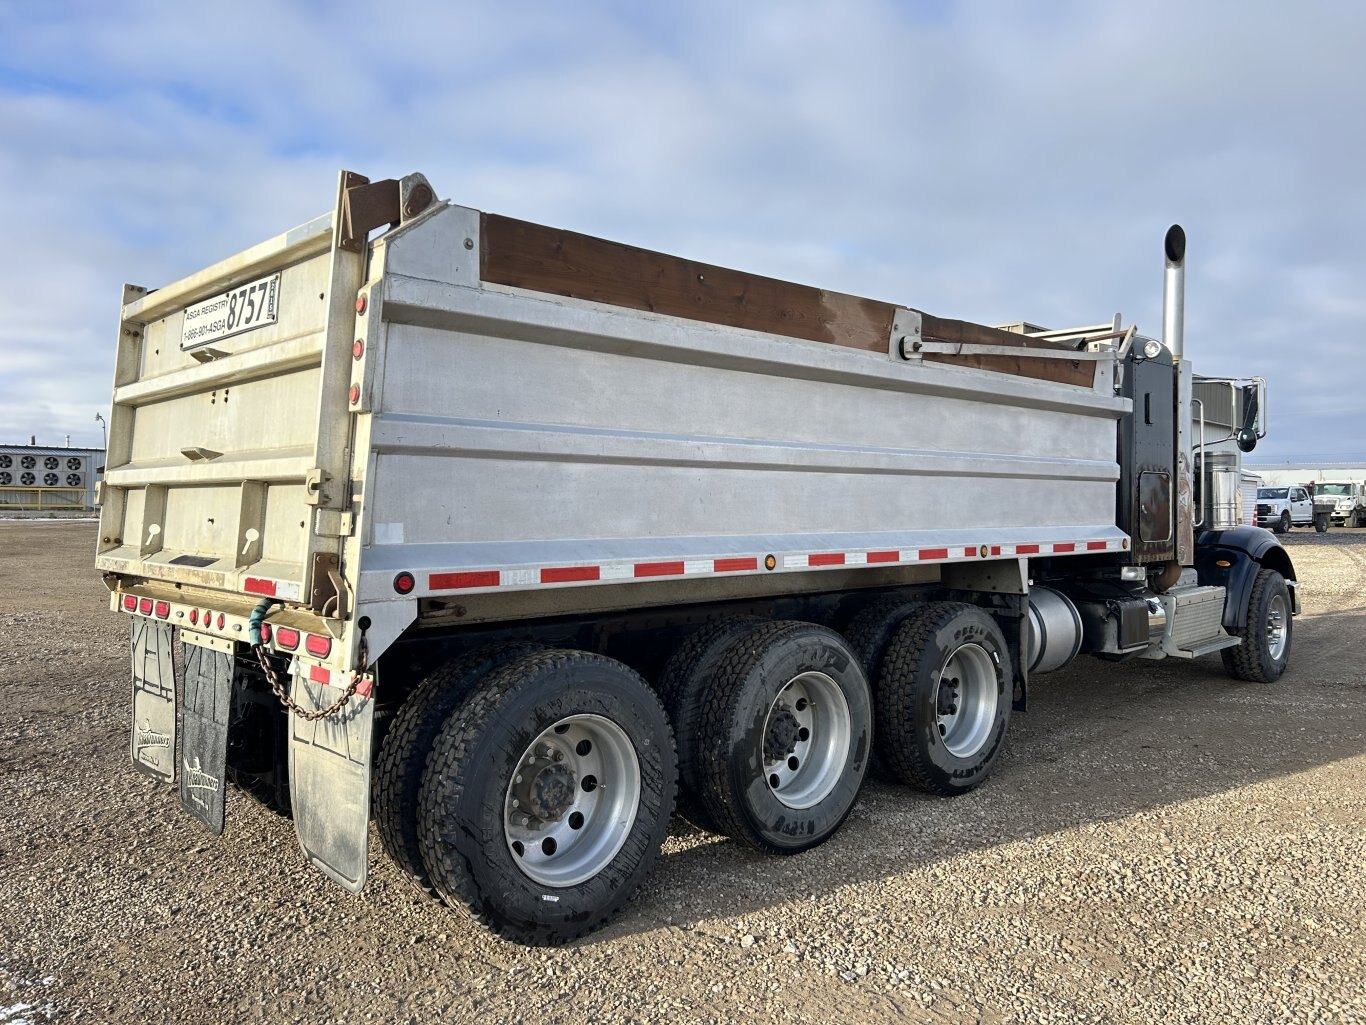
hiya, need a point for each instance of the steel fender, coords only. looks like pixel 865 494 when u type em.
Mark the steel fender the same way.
pixel 1246 550
pixel 329 779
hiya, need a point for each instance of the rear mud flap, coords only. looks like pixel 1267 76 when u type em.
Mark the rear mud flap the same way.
pixel 329 779
pixel 152 745
pixel 204 739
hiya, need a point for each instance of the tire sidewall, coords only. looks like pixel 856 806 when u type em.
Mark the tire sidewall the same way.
pixel 778 826
pixel 971 626
pixel 482 843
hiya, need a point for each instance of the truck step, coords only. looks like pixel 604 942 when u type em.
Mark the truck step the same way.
pixel 1208 647
pixel 1194 621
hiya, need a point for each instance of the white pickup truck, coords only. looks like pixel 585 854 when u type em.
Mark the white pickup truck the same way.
pixel 1283 508
pixel 1348 498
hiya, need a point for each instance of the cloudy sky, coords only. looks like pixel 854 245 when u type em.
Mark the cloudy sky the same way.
pixel 991 161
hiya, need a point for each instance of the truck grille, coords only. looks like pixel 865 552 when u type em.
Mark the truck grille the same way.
pixel 1263 510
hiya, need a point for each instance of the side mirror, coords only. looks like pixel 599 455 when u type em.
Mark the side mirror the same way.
pixel 1247 439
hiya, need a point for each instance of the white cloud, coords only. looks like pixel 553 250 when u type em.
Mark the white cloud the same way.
pixel 990 161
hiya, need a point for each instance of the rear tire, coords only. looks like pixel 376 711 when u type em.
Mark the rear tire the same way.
pixel 869 634
pixel 784 736
pixel 547 795
pixel 682 687
pixel 943 699
pixel 403 756
pixel 1264 649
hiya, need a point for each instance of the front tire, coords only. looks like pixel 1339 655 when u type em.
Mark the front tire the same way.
pixel 1264 650
pixel 547 796
pixel 784 737
pixel 944 698
pixel 1283 526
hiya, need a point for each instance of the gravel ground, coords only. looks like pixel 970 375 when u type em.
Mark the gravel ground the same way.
pixel 1158 843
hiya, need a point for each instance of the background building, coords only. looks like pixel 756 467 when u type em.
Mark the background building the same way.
pixel 48 478
pixel 1307 473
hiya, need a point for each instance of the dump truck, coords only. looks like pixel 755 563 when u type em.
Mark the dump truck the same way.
pixel 1346 498
pixel 516 540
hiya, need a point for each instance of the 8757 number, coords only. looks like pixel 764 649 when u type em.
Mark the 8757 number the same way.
pixel 251 305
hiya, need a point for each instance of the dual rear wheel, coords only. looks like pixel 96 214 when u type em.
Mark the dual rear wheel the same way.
pixel 534 787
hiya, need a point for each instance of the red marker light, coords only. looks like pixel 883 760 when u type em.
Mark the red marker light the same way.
pixel 319 646
pixel 287 638
pixel 145 606
pixel 163 609
pixel 355 394
pixel 194 617
pixel 360 304
pixel 358 350
pixel 265 633
pixel 220 621
pixel 130 603
pixel 405 582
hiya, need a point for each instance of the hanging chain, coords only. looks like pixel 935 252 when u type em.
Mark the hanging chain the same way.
pixel 280 685
pixel 281 689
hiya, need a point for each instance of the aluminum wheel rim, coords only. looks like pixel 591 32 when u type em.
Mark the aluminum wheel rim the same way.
pixel 1275 627
pixel 572 800
pixel 965 700
pixel 807 734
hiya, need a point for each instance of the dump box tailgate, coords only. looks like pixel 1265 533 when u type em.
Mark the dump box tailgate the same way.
pixel 229 430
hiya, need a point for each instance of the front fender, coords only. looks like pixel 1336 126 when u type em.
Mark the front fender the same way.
pixel 1231 559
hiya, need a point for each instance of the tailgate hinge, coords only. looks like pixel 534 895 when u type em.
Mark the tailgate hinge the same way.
pixel 366 205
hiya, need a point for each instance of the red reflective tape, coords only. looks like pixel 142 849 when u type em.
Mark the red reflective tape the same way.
pixel 1026 549
pixel 884 556
pixel 319 675
pixel 365 687
pixel 659 569
pixel 456 581
pixel 259 585
pixel 1095 546
pixel 569 574
pixel 995 549
pixel 826 559
pixel 932 553
pixel 735 565
pixel 1064 547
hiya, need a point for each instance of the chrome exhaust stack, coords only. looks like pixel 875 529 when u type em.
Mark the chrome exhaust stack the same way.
pixel 1174 292
pixel 1173 335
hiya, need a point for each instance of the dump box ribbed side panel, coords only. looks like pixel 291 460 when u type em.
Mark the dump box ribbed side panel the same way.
pixel 523 440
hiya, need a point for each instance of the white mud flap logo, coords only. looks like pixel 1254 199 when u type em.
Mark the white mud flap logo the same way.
pixel 149 743
pixel 197 779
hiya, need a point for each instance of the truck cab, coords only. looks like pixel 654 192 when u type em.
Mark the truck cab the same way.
pixel 1348 500
pixel 1280 508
